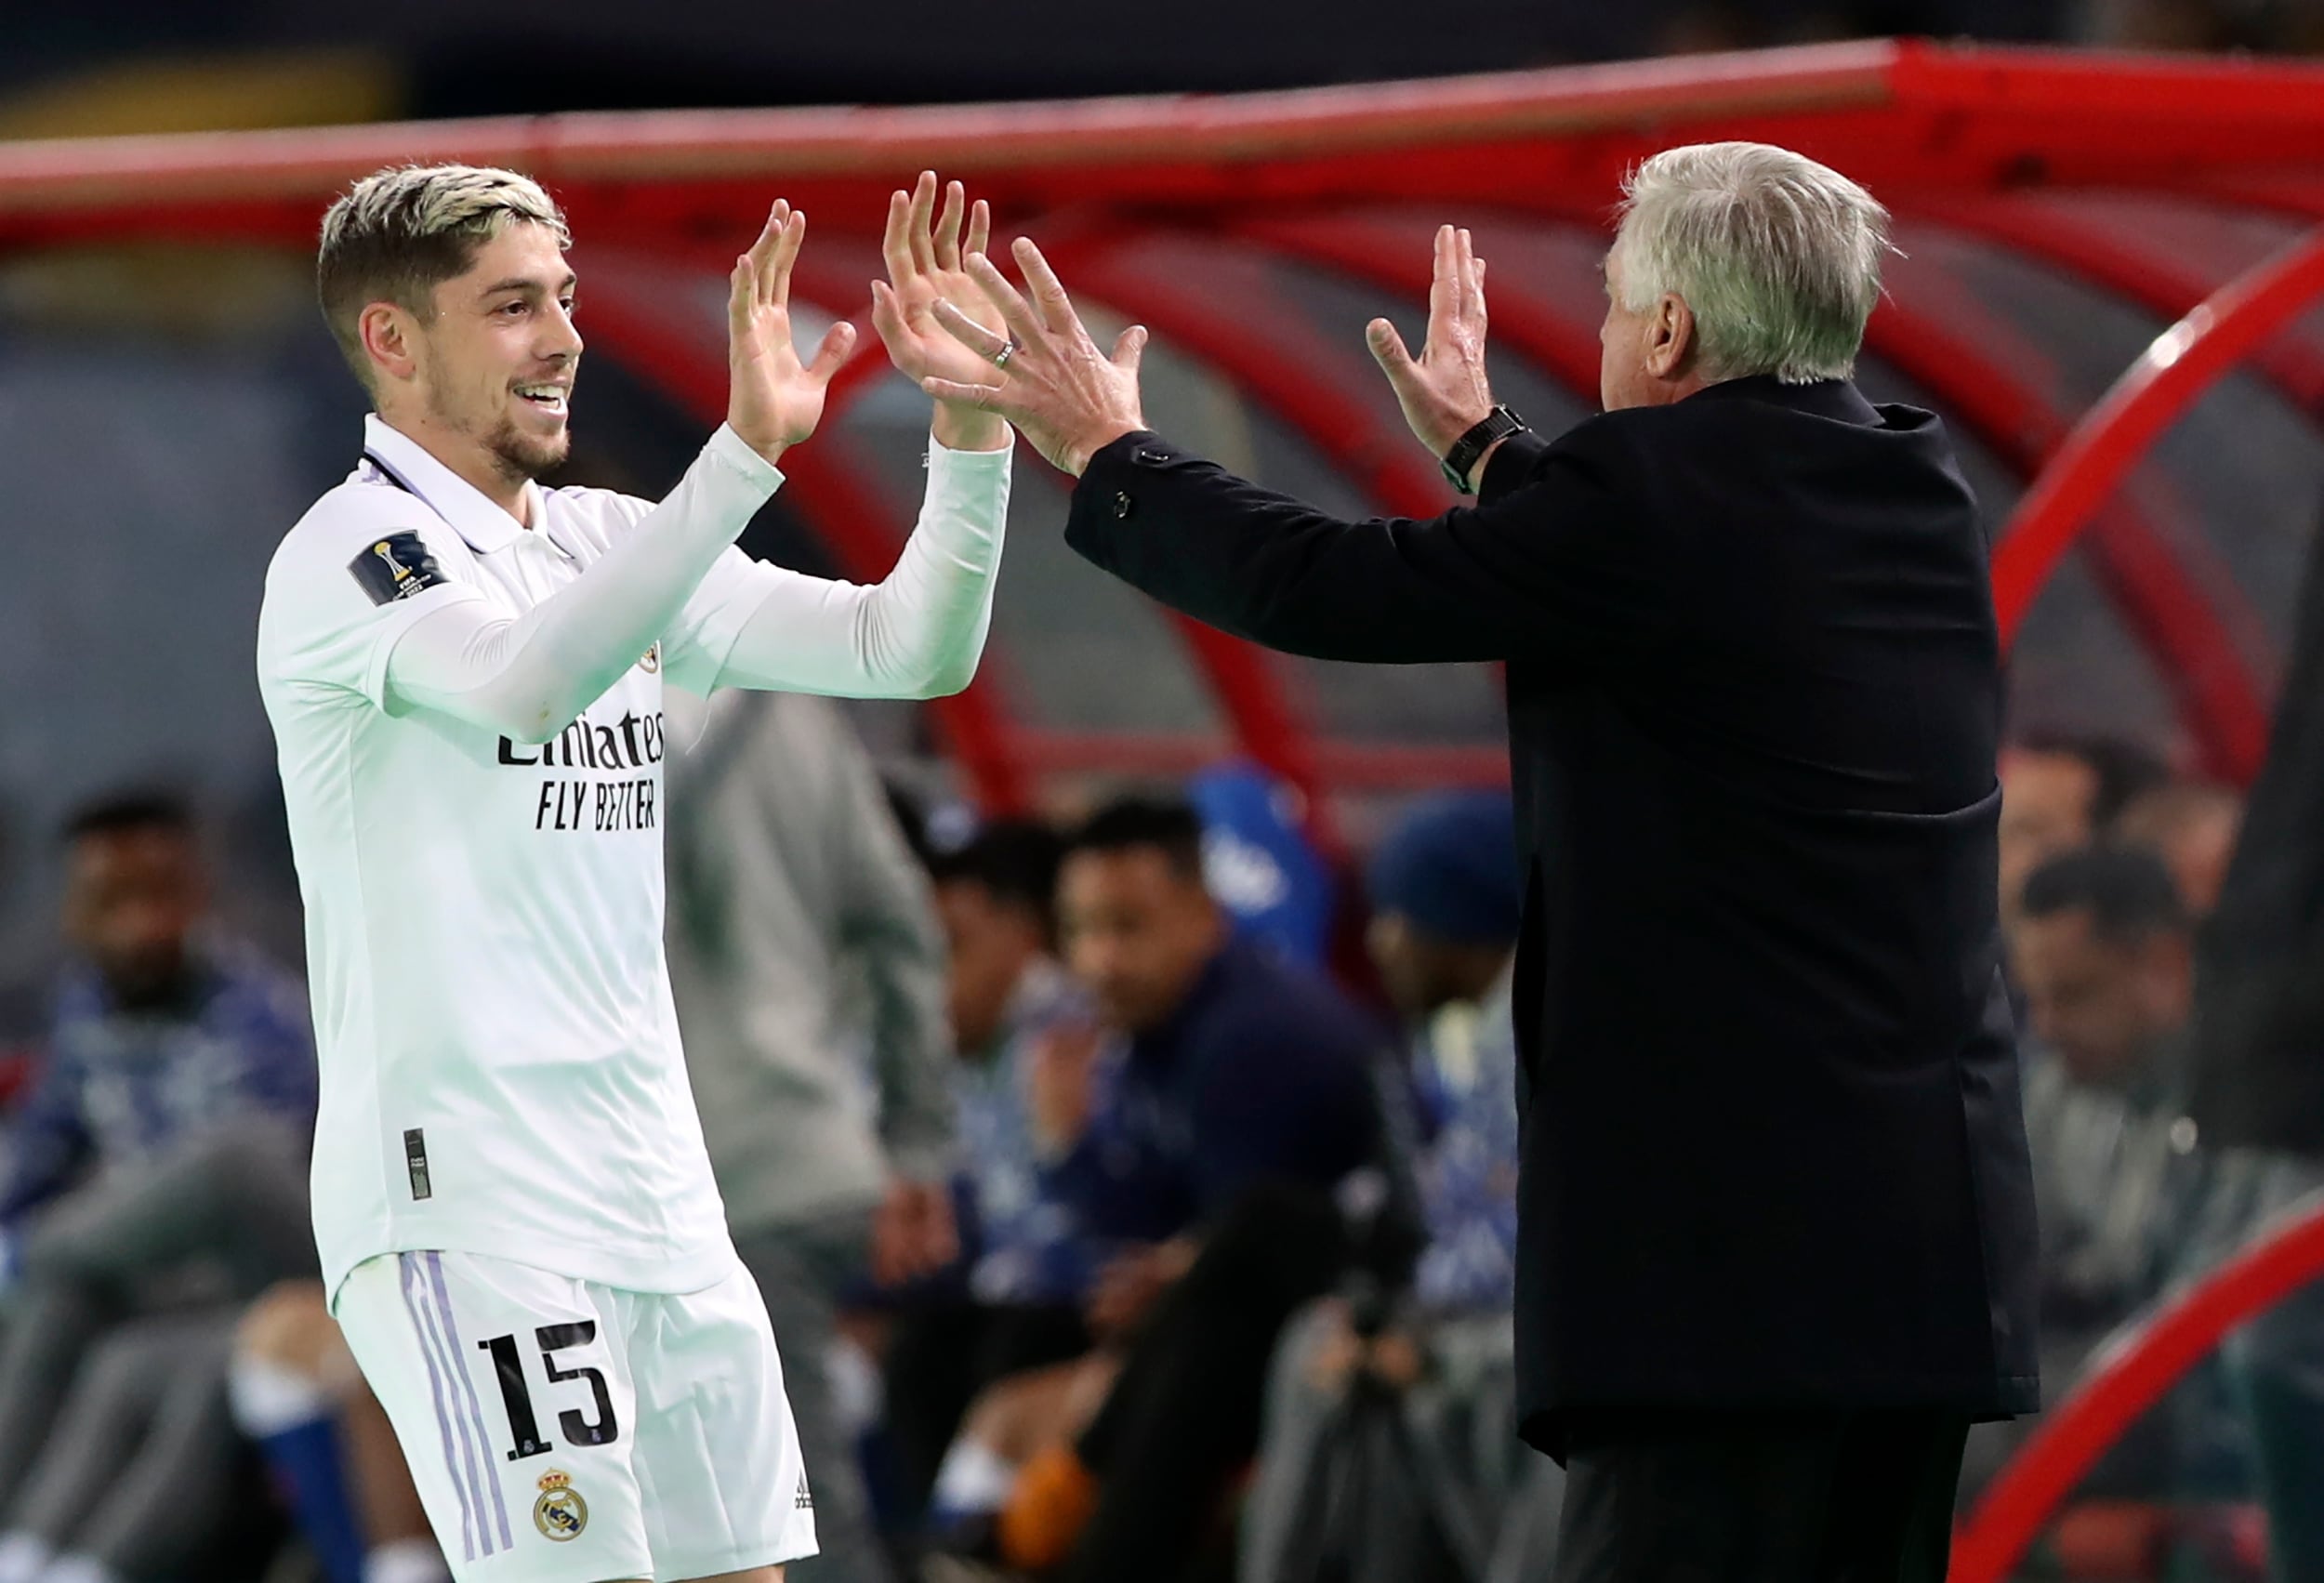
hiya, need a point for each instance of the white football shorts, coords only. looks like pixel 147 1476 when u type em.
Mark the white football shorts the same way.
pixel 563 1431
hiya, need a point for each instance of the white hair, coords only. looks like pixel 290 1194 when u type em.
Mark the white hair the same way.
pixel 1777 258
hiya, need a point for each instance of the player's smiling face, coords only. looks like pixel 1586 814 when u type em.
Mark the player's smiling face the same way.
pixel 497 364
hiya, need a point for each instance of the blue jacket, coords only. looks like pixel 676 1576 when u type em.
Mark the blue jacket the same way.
pixel 1264 1073
pixel 118 1086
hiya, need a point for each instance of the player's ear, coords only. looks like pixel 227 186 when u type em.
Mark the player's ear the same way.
pixel 390 336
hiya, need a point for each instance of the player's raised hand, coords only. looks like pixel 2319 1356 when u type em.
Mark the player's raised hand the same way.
pixel 1443 391
pixel 923 250
pixel 774 401
pixel 1045 375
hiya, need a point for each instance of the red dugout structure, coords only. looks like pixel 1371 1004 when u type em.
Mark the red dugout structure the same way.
pixel 2180 189
pixel 2173 204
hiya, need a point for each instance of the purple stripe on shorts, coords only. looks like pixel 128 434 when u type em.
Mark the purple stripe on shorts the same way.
pixel 475 1446
pixel 443 1422
pixel 475 1409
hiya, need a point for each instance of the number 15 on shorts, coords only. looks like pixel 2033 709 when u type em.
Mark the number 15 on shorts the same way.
pixel 596 1426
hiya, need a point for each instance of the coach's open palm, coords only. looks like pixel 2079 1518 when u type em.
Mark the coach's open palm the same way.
pixel 1046 375
pixel 1443 391
pixel 773 400
pixel 923 253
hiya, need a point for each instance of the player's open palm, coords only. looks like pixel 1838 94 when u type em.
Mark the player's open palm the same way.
pixel 774 400
pixel 923 250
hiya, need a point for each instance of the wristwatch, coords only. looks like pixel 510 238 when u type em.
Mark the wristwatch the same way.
pixel 1499 424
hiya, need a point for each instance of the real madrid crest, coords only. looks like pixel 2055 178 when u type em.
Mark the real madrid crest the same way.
pixel 560 1513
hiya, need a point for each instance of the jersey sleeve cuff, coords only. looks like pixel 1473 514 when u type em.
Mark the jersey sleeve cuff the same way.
pixel 735 452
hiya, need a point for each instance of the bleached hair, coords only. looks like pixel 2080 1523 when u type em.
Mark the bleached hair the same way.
pixel 1779 257
pixel 398 234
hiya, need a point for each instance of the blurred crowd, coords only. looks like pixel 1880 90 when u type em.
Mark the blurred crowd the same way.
pixel 1058 1149
pixel 1132 1194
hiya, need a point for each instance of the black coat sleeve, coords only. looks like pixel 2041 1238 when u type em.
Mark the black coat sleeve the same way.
pixel 1550 562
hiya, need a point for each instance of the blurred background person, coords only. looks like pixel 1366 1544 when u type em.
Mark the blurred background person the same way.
pixel 156 1168
pixel 2105 960
pixel 1212 1154
pixel 1017 1304
pixel 328 1447
pixel 2192 825
pixel 809 976
pixel 1444 934
pixel 2060 791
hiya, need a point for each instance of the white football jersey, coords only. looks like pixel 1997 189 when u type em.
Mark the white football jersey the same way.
pixel 500 1063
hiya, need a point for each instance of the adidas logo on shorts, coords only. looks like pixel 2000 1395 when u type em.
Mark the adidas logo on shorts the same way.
pixel 802 1501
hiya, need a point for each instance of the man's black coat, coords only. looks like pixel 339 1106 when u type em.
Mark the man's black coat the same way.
pixel 1772 1151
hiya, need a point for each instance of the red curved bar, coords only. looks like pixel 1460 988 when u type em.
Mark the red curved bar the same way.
pixel 1340 428
pixel 2133 1372
pixel 2183 362
pixel 2150 279
pixel 835 502
pixel 2218 699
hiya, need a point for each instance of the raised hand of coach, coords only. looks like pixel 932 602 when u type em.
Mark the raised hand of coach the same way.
pixel 1443 391
pixel 1044 373
pixel 774 401
pixel 923 254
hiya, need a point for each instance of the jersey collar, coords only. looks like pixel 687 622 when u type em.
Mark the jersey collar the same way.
pixel 484 526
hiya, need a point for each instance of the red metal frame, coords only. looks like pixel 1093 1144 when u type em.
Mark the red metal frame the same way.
pixel 2138 274
pixel 2132 1374
pixel 1944 132
pixel 2183 362
pixel 2218 699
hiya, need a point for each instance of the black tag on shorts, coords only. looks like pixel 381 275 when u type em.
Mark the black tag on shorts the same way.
pixel 395 567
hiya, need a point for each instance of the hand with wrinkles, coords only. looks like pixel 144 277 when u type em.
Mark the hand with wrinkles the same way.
pixel 1045 375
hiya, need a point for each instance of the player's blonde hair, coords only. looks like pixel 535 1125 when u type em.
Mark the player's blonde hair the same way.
pixel 398 234
pixel 1777 256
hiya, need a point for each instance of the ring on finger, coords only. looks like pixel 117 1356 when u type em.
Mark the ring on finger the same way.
pixel 1000 358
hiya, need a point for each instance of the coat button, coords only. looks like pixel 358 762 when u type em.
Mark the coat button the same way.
pixel 1121 505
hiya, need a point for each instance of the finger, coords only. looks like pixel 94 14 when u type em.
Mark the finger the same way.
pixel 1129 348
pixel 923 220
pixel 762 251
pixel 838 344
pixel 1472 299
pixel 774 282
pixel 949 226
pixel 1049 293
pixel 1015 311
pixel 1444 287
pixel 1388 349
pixel 986 398
pixel 895 249
pixel 887 316
pixel 741 294
pixel 985 344
pixel 980 226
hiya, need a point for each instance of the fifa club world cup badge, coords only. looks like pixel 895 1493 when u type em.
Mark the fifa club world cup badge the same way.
pixel 652 660
pixel 560 1513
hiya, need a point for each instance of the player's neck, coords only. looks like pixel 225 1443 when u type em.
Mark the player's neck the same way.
pixel 472 463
